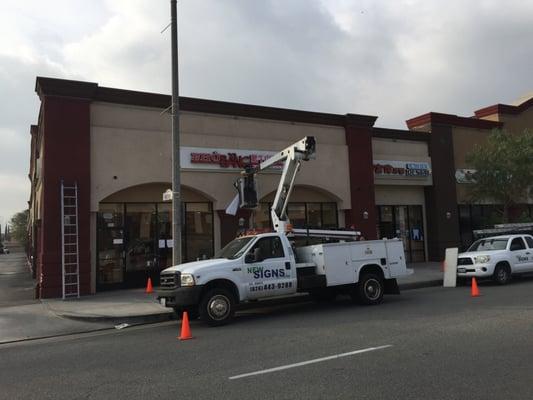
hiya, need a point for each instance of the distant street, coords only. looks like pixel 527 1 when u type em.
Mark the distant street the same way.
pixel 16 284
pixel 443 345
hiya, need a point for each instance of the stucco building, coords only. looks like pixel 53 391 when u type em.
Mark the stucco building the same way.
pixel 115 145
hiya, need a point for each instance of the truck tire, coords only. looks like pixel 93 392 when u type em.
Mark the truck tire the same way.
pixel 370 289
pixel 217 307
pixel 502 274
pixel 192 312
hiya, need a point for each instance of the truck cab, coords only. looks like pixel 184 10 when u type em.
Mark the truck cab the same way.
pixel 497 257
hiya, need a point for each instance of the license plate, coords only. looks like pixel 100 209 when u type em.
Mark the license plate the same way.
pixel 461 270
pixel 163 301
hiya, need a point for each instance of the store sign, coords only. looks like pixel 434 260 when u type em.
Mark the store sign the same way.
pixel 401 169
pixel 464 175
pixel 222 159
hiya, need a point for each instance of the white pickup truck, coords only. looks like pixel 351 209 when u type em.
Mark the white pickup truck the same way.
pixel 266 265
pixel 497 257
pixel 271 264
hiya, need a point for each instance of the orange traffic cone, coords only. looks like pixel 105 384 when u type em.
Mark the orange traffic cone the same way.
pixel 475 290
pixel 149 288
pixel 185 329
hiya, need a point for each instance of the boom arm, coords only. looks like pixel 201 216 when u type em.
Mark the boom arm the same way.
pixel 292 156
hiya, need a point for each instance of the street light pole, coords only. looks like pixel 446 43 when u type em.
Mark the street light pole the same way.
pixel 176 182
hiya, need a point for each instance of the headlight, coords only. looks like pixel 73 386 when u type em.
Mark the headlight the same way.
pixel 481 259
pixel 187 280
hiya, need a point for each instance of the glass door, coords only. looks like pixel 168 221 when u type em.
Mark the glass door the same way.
pixel 405 223
pixel 110 246
pixel 140 246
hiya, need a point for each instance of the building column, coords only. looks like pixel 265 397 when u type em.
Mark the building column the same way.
pixel 362 214
pixel 66 156
pixel 441 198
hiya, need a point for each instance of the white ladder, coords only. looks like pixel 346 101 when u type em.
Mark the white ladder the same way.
pixel 69 241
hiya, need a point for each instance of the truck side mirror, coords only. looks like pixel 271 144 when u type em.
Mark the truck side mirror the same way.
pixel 249 258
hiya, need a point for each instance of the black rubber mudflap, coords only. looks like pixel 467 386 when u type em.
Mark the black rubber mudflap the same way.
pixel 391 286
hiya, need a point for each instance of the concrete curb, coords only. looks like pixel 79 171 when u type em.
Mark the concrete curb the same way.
pixel 420 285
pixel 128 319
pixel 168 316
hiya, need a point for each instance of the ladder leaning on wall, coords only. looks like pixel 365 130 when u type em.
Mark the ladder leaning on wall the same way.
pixel 69 241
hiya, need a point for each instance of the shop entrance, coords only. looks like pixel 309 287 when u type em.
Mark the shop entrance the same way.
pixel 406 223
pixel 134 240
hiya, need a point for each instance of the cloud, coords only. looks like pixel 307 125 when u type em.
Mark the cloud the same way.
pixel 393 59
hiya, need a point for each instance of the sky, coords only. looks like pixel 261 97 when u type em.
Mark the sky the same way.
pixel 395 59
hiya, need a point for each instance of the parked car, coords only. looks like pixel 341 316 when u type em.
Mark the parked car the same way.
pixel 497 257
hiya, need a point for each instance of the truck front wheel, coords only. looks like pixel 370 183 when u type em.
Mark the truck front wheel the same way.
pixel 217 307
pixel 370 289
pixel 502 274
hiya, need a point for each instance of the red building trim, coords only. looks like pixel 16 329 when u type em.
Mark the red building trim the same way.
pixel 360 161
pixel 66 135
pixel 449 119
pixel 504 109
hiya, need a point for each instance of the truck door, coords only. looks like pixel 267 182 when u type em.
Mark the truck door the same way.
pixel 268 270
pixel 519 256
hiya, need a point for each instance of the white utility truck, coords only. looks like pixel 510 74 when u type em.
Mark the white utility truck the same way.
pixel 497 257
pixel 267 265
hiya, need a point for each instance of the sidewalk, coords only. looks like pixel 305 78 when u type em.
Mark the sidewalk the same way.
pixel 135 306
pixel 129 306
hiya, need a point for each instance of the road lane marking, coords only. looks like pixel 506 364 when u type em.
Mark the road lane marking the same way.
pixel 316 360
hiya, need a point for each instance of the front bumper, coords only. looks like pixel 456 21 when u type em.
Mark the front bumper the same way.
pixel 476 270
pixel 183 296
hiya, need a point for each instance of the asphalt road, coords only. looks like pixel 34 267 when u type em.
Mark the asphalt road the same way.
pixel 443 345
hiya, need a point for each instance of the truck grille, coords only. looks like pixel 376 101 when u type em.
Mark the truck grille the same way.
pixel 170 280
pixel 464 261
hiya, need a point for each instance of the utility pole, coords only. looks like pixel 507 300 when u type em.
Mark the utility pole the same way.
pixel 176 181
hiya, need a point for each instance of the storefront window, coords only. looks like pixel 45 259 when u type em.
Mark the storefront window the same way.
pixel 198 231
pixel 302 215
pixel 135 240
pixel 314 218
pixel 297 215
pixel 329 215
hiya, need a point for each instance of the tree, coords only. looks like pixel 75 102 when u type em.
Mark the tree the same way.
pixel 504 169
pixel 19 225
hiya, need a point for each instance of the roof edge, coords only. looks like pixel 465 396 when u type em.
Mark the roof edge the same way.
pixel 450 119
pixel 504 109
pixel 45 86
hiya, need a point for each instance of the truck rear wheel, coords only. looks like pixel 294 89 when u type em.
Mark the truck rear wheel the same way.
pixel 370 289
pixel 217 307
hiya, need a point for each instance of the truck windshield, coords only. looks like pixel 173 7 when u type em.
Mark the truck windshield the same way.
pixel 489 244
pixel 235 248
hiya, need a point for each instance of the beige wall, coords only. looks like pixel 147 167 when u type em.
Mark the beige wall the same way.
pixel 517 123
pixel 464 140
pixel 151 193
pixel 133 144
pixel 399 195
